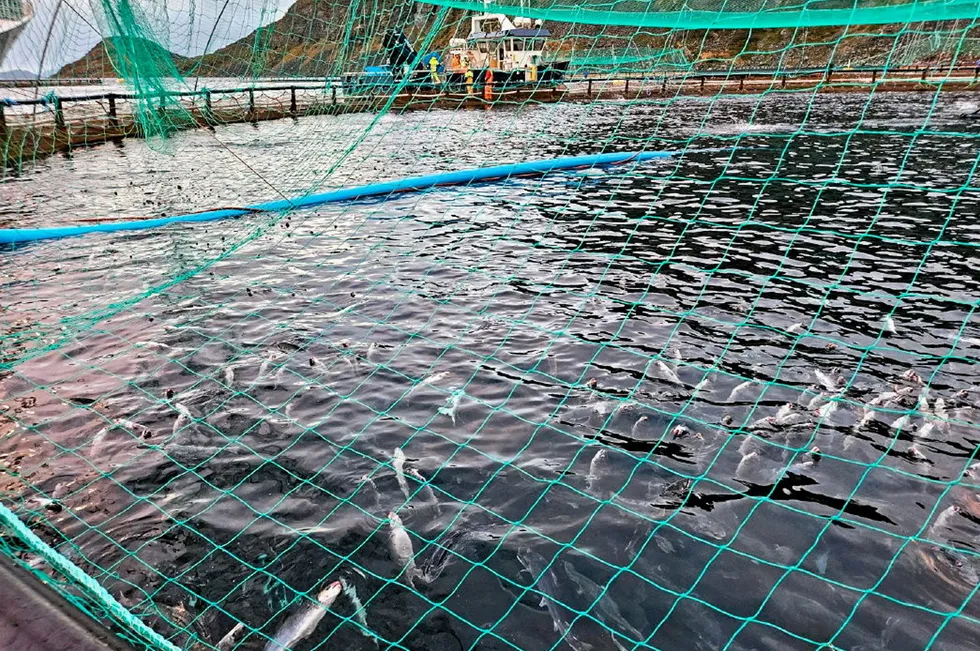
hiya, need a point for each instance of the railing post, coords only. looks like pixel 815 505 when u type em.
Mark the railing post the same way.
pixel 924 71
pixel 251 105
pixel 702 84
pixel 208 114
pixel 333 96
pixel 784 81
pixel 59 116
pixel 663 88
pixel 292 101
pixel 741 82
pixel 3 123
pixel 627 86
pixel 590 87
pixel 874 76
pixel 113 118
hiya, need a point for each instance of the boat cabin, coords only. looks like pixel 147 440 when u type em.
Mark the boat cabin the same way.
pixel 498 43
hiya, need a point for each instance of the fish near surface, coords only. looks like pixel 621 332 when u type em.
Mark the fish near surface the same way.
pixel 398 463
pixel 303 622
pixel 401 548
pixel 452 405
pixel 545 582
pixel 605 607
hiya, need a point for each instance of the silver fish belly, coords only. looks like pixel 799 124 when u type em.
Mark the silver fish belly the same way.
pixel 401 548
pixel 302 623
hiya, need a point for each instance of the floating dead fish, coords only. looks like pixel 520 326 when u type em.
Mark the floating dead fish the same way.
pixel 432 568
pixel 809 460
pixel 943 521
pixel 546 583
pixel 868 416
pixel 889 326
pixel 683 432
pixel 901 423
pixel 785 411
pixel 767 422
pixel 816 401
pixel 431 380
pixel 603 605
pixel 296 271
pixel 748 466
pixel 595 469
pixel 401 548
pixel 452 405
pixel 744 386
pixel 827 410
pixel 922 405
pixel 640 421
pixel 427 494
pixel 915 454
pixel 700 386
pixel 912 376
pixel 668 373
pixel 825 380
pixel 230 638
pixel 302 623
pixel 183 414
pixel 940 417
pixel 341 312
pixel 605 407
pixel 398 463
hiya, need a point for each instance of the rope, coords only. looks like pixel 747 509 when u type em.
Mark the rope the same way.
pixel 69 569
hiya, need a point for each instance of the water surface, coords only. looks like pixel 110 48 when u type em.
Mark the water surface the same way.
pixel 613 310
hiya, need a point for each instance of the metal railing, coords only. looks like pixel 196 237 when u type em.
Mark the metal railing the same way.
pixel 371 84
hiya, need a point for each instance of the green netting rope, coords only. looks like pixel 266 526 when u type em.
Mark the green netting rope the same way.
pixel 105 600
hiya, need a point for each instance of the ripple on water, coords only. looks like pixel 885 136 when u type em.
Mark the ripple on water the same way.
pixel 501 336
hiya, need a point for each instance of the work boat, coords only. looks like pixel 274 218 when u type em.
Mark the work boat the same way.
pixel 511 50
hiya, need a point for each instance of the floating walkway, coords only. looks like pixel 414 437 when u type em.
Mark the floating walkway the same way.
pixel 34 617
pixel 36 128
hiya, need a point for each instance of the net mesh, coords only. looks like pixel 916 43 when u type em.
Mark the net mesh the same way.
pixel 725 399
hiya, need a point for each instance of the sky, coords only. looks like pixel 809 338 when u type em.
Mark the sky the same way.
pixel 182 26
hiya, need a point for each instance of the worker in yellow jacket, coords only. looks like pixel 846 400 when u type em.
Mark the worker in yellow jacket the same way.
pixel 434 68
pixel 469 81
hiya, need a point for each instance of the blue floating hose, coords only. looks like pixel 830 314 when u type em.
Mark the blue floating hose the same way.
pixel 483 174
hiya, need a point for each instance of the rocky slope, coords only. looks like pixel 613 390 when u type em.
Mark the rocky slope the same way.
pixel 317 38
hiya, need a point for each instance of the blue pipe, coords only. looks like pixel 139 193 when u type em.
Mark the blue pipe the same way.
pixel 484 174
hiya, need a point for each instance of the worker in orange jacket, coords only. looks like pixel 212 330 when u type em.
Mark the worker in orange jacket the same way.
pixel 488 85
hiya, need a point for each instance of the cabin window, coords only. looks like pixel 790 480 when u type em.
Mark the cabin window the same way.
pixel 518 45
pixel 490 25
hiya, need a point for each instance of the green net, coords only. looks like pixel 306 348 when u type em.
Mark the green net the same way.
pixel 725 397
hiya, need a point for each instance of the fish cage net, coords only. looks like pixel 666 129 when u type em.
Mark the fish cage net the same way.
pixel 717 392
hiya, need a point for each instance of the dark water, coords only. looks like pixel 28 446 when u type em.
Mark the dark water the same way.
pixel 308 347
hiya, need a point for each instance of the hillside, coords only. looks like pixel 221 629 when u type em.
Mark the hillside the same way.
pixel 120 57
pixel 314 38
